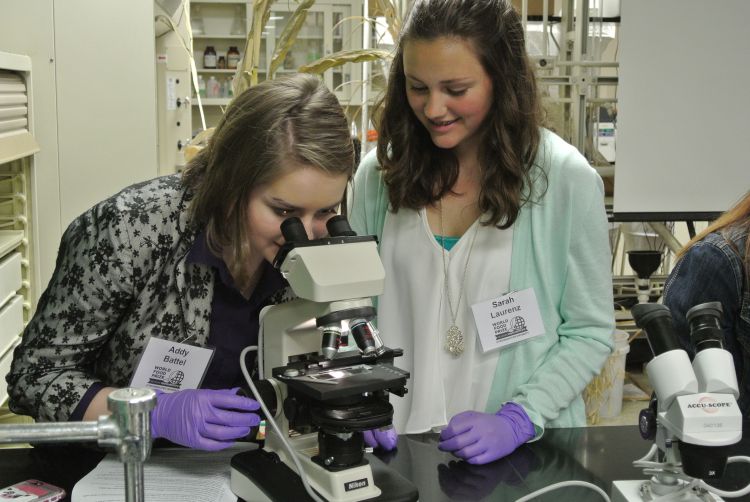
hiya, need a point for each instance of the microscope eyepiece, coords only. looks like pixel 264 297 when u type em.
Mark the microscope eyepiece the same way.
pixel 656 320
pixel 705 327
pixel 293 230
pixel 338 226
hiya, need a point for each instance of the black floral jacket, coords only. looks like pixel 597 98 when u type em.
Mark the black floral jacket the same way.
pixel 120 278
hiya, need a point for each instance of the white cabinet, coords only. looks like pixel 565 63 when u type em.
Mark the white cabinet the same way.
pixel 94 106
pixel 220 25
pixel 330 27
pixel 17 145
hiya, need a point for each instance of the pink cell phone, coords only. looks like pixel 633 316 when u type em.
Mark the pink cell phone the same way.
pixel 32 490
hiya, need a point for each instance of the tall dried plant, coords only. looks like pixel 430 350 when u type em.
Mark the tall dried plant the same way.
pixel 289 36
pixel 247 72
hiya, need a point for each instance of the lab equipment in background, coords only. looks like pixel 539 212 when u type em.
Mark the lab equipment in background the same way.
pixel 328 394
pixel 196 20
pixel 201 86
pixel 213 88
pixel 176 83
pixel 127 430
pixel 209 57
pixel 605 135
pixel 238 23
pixel 694 418
pixel 233 57
pixel 228 91
pixel 644 263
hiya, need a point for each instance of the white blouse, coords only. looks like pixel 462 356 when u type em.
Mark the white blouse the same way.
pixel 413 314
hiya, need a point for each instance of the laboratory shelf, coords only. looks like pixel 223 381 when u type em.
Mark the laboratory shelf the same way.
pixel 216 36
pixel 212 101
pixel 9 239
pixel 215 70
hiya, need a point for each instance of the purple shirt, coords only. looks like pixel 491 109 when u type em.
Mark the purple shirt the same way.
pixel 234 319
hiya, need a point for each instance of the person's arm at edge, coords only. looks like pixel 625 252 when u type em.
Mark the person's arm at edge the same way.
pixel 585 307
pixel 367 192
pixel 98 405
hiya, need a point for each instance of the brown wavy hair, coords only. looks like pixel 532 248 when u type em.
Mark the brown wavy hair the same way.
pixel 295 118
pixel 418 173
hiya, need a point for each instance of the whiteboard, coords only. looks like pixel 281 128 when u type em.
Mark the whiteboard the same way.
pixel 683 125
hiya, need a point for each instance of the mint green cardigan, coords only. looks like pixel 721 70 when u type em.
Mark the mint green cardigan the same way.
pixel 561 249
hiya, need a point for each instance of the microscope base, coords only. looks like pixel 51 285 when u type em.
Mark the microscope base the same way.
pixel 259 475
pixel 630 491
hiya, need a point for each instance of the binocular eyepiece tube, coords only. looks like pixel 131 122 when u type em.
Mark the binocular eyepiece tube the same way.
pixel 705 327
pixel 294 230
pixel 656 320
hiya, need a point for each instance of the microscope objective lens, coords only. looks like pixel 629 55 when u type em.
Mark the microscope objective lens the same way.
pixel 331 341
pixel 362 331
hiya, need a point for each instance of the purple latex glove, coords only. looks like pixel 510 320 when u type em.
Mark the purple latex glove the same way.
pixel 203 418
pixel 480 438
pixel 385 438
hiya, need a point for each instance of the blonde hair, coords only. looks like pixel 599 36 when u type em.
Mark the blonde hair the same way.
pixel 738 215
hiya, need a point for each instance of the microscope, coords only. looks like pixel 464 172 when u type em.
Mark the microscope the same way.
pixel 323 392
pixel 694 418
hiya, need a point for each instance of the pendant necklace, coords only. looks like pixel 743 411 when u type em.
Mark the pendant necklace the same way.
pixel 454 339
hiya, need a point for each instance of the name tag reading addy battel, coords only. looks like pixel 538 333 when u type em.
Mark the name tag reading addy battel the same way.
pixel 508 319
pixel 171 366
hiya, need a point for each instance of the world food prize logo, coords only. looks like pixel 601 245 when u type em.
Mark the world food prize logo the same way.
pixel 518 324
pixel 164 377
pixel 505 328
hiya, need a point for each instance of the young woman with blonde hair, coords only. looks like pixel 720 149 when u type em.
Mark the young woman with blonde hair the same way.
pixel 715 266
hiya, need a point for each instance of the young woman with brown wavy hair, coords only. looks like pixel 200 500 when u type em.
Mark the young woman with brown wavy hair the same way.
pixel 493 234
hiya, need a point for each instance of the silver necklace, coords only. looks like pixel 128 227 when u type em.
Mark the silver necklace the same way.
pixel 454 339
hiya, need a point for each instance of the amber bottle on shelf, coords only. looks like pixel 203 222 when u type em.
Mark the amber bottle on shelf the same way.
pixel 233 58
pixel 209 57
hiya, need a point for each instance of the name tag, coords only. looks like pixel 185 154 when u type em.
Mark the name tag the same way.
pixel 508 319
pixel 171 366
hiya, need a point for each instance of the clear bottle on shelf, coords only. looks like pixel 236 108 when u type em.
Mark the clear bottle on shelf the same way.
pixel 213 89
pixel 238 23
pixel 196 20
pixel 201 86
pixel 230 90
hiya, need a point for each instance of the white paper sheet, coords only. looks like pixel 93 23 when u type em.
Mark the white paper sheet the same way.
pixel 170 475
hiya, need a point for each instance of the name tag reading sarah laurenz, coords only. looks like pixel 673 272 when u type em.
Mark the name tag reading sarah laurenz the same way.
pixel 171 366
pixel 508 319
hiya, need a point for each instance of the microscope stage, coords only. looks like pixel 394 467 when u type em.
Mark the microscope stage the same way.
pixel 356 379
